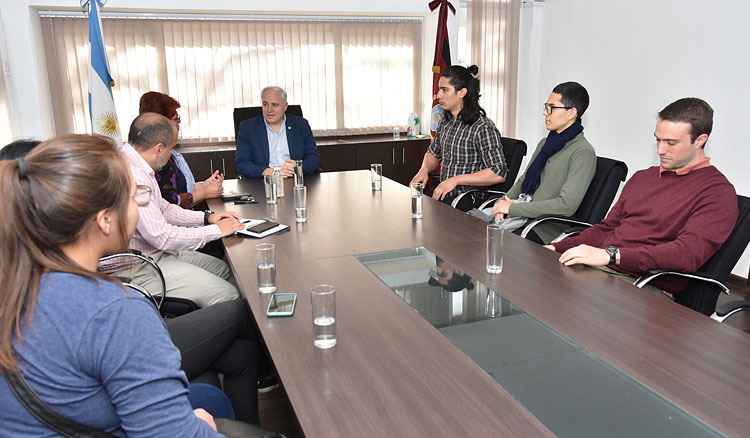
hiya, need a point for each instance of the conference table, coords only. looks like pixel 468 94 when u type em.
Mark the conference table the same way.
pixel 430 344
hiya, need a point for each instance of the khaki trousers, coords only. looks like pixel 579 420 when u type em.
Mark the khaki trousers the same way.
pixel 192 275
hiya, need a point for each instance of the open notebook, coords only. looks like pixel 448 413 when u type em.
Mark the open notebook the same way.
pixel 262 228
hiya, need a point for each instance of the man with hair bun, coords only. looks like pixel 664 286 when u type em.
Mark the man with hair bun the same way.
pixel 673 216
pixel 467 144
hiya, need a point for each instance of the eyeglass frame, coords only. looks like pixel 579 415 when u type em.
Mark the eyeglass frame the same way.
pixel 140 190
pixel 548 108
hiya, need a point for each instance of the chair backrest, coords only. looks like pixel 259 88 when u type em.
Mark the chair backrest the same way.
pixel 514 150
pixel 701 296
pixel 248 112
pixel 602 190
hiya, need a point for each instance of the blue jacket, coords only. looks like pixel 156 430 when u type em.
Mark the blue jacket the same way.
pixel 252 145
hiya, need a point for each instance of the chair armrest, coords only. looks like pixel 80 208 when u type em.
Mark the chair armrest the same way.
pixel 459 197
pixel 552 218
pixel 491 200
pixel 148 260
pixel 726 310
pixel 656 273
pixel 146 294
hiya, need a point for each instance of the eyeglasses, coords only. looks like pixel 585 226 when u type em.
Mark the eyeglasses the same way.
pixel 548 108
pixel 176 118
pixel 142 195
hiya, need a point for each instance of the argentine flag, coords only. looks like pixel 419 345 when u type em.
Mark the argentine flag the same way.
pixel 101 103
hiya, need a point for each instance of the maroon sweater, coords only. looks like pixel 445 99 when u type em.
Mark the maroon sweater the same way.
pixel 674 222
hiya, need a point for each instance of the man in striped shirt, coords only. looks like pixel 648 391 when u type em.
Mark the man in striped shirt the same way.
pixel 467 144
pixel 169 233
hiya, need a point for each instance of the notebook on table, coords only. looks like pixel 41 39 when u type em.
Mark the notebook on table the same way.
pixel 260 228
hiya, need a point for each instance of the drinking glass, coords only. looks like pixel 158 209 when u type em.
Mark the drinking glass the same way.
pixel 265 257
pixel 376 174
pixel 298 174
pixel 300 203
pixel 270 185
pixel 323 303
pixel 416 200
pixel 495 248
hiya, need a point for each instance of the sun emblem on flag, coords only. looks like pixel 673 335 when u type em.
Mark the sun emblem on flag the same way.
pixel 436 115
pixel 106 124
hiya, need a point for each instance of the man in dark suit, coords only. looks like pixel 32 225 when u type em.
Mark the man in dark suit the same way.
pixel 275 139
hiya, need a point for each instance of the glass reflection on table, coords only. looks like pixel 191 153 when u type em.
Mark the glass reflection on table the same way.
pixel 569 389
pixel 441 293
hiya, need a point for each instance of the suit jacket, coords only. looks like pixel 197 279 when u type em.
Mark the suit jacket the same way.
pixel 252 145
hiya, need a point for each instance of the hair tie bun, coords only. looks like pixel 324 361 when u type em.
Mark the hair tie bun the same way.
pixel 474 70
pixel 23 167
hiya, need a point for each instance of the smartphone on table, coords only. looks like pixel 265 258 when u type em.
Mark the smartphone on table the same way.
pixel 282 304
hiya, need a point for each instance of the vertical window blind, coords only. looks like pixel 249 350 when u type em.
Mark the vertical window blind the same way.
pixel 349 76
pixel 6 126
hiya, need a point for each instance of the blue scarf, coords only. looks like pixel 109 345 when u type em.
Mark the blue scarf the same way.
pixel 552 145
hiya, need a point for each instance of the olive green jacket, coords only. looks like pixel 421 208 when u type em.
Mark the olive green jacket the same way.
pixel 564 182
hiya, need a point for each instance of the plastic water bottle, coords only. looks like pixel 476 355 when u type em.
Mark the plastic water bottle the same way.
pixel 396 133
pixel 279 180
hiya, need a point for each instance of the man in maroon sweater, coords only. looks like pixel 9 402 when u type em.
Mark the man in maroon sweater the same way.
pixel 673 216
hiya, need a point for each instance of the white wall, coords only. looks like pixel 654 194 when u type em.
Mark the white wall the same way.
pixel 634 58
pixel 25 70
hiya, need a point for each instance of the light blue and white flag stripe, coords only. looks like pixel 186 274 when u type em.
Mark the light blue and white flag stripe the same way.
pixel 101 103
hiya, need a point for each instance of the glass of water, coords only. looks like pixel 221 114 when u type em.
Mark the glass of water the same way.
pixel 323 302
pixel 416 200
pixel 376 174
pixel 298 173
pixel 265 256
pixel 300 203
pixel 270 185
pixel 495 248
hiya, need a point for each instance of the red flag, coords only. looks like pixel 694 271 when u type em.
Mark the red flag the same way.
pixel 442 58
pixel 441 61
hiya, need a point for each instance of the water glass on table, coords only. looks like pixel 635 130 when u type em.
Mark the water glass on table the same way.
pixel 270 185
pixel 300 203
pixel 265 256
pixel 298 174
pixel 495 248
pixel 376 174
pixel 323 303
pixel 416 200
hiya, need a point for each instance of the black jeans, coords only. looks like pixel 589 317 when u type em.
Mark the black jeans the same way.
pixel 222 338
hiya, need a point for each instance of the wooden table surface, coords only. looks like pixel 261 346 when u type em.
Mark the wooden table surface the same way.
pixel 393 374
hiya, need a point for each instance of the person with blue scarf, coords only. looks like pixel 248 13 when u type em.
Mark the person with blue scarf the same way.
pixel 561 168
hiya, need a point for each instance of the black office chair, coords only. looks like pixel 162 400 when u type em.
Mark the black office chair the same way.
pixel 248 112
pixel 706 284
pixel 514 150
pixel 168 307
pixel 595 204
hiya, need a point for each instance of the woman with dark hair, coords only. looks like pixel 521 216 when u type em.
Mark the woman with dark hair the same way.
pixel 467 144
pixel 94 352
pixel 176 181
pixel 18 148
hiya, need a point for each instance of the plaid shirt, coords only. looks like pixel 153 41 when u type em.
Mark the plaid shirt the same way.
pixel 464 149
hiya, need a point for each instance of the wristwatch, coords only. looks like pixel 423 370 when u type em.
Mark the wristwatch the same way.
pixel 612 251
pixel 206 214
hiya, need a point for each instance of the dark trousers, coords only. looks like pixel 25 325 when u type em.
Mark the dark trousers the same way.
pixel 531 236
pixel 222 338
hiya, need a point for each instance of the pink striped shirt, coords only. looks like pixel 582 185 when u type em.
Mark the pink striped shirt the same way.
pixel 163 226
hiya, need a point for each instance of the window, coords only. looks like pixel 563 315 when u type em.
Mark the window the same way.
pixel 349 76
pixel 6 126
